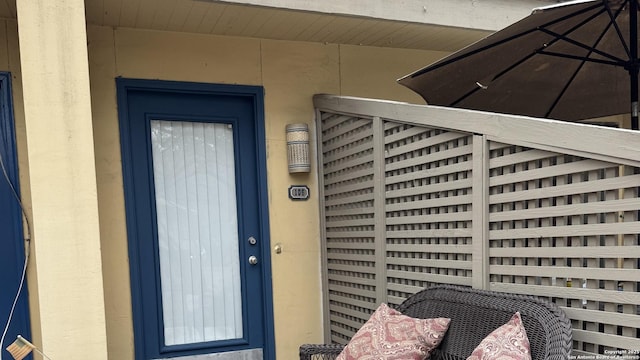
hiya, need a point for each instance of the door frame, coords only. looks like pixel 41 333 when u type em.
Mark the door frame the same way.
pixel 20 322
pixel 256 94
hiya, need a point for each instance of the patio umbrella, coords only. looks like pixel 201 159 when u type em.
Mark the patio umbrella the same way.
pixel 570 61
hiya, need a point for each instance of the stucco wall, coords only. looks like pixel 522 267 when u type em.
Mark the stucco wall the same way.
pixel 291 73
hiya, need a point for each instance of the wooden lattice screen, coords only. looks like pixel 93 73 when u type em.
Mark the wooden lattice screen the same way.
pixel 415 196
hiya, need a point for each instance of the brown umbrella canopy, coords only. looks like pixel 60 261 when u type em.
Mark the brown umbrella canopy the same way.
pixel 572 61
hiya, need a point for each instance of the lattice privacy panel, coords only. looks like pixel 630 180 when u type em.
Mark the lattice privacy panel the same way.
pixel 567 227
pixel 418 199
pixel 428 208
pixel 407 205
pixel 347 153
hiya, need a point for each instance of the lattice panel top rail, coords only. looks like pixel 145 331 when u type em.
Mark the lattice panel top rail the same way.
pixel 595 142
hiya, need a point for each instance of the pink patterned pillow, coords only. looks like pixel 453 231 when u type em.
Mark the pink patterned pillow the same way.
pixel 508 342
pixel 390 335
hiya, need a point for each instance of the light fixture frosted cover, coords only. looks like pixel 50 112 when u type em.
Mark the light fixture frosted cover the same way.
pixel 298 148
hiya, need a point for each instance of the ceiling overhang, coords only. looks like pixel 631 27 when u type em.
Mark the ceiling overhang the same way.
pixel 439 25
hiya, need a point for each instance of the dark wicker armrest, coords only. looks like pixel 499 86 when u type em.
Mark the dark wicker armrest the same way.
pixel 320 351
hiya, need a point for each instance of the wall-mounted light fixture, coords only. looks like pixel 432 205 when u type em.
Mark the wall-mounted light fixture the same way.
pixel 298 148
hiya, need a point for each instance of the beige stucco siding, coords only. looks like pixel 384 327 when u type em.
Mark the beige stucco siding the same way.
pixel 291 73
pixel 372 72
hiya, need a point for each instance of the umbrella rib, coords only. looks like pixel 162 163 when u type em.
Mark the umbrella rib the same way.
pixel 478 50
pixel 516 64
pixel 489 46
pixel 557 38
pixel 497 76
pixel 564 90
pixel 585 59
pixel 591 49
pixel 620 63
pixel 579 44
pixel 613 21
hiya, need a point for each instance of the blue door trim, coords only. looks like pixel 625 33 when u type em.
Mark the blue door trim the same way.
pixel 20 323
pixel 256 95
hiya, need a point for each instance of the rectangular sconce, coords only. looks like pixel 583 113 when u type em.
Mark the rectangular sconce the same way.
pixel 298 148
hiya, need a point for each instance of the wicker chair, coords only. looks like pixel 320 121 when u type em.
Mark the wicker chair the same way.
pixel 474 314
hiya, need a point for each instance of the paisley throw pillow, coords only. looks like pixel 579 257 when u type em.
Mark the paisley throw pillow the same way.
pixel 508 342
pixel 390 335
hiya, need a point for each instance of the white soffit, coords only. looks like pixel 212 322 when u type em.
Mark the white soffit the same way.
pixel 440 25
pixel 490 15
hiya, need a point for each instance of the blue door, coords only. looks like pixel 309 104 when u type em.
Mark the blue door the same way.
pixel 195 191
pixel 12 256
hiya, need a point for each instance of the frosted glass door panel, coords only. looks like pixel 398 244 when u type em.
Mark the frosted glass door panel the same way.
pixel 195 187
